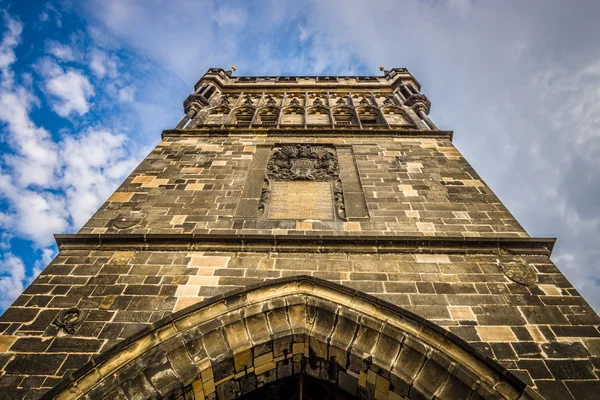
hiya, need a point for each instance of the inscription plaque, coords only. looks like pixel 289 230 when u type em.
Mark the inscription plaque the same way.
pixel 301 200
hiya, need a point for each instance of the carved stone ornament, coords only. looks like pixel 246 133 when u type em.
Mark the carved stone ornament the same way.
pixel 340 102
pixel 224 101
pixel 265 197
pixel 419 102
pixel 294 102
pixel 69 320
pixel 338 198
pixel 317 102
pixel 126 221
pixel 248 101
pixel 194 102
pixel 303 162
pixel 364 102
pixel 519 271
pixel 271 102
pixel 389 101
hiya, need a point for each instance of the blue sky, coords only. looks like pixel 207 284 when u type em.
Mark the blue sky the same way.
pixel 87 86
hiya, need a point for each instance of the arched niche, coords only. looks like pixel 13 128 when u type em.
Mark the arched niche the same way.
pixel 242 115
pixel 369 115
pixel 268 115
pixel 292 116
pixel 344 115
pixel 317 115
pixel 395 116
pixel 228 346
pixel 217 115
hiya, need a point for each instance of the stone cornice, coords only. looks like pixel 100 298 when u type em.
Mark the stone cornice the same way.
pixel 312 243
pixel 299 132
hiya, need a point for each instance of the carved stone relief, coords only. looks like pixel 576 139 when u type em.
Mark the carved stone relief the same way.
pixel 519 271
pixel 300 162
pixel 303 162
pixel 68 320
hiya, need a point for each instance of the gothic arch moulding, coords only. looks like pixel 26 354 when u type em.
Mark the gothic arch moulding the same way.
pixel 230 345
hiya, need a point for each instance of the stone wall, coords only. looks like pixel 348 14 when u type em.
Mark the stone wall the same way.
pixel 411 186
pixel 544 332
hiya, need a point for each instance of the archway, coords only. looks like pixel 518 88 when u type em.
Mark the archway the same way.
pixel 234 344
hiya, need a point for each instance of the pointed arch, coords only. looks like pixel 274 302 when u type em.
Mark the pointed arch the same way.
pixel 395 115
pixel 268 115
pixel 242 115
pixel 217 115
pixel 284 327
pixel 344 115
pixel 292 115
pixel 369 115
pixel 317 115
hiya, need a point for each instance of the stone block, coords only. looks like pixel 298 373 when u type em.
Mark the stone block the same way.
pixel 496 334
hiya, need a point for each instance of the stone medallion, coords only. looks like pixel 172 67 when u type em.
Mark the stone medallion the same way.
pixel 519 271
pixel 68 320
pixel 126 221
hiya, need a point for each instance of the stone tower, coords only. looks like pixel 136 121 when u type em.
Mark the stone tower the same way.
pixel 303 238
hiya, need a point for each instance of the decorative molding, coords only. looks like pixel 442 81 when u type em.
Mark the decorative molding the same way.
pixel 345 242
pixel 326 131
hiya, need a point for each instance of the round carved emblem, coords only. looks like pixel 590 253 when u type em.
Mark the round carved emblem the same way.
pixel 125 221
pixel 520 272
pixel 69 320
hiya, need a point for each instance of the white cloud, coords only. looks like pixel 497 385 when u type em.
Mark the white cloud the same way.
pixel 127 94
pixel 52 187
pixel 230 16
pixel 102 64
pixel 69 90
pixel 61 51
pixel 94 164
pixel 37 157
pixel 10 40
pixel 304 33
pixel 12 279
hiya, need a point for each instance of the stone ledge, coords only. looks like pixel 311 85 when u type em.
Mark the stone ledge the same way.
pixel 301 132
pixel 308 243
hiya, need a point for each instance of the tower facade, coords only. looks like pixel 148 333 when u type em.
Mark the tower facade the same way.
pixel 302 237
